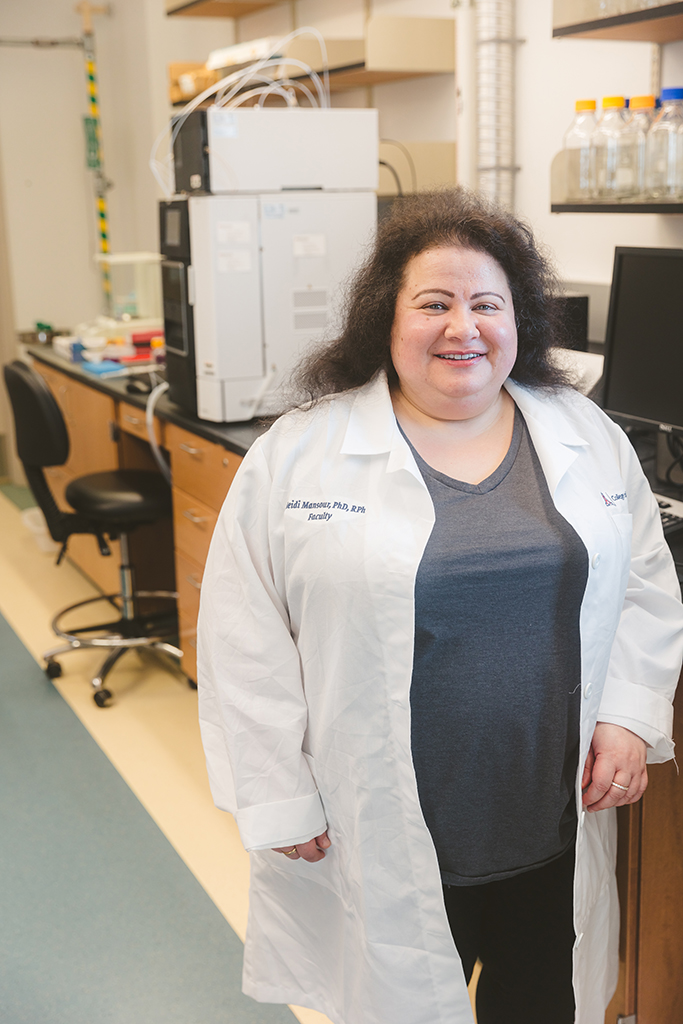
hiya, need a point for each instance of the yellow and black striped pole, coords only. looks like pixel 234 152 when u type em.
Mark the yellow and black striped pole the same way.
pixel 96 162
pixel 93 130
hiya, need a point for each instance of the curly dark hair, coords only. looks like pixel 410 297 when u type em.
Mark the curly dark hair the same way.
pixel 427 220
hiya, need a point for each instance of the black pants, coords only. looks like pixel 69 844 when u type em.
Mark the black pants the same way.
pixel 522 930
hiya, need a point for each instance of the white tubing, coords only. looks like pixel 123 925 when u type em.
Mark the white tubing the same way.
pixel 227 88
pixel 152 400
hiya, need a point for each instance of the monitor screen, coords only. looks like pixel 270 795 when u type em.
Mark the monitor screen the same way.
pixel 644 339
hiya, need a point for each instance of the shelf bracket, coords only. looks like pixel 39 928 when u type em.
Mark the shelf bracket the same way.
pixel 656 69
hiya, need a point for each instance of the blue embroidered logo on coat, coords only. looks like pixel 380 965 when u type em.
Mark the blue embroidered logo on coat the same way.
pixel 612 499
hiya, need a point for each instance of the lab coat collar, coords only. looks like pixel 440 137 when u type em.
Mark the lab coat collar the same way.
pixel 549 423
pixel 373 430
pixel 372 423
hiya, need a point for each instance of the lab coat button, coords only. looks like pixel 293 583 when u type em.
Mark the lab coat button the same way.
pixel 595 561
pixel 588 689
pixel 582 819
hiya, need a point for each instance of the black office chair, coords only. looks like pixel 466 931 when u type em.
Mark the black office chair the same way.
pixel 107 504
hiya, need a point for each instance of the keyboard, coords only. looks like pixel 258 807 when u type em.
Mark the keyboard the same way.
pixel 671 512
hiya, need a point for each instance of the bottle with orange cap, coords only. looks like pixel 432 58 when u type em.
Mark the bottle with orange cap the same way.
pixel 577 147
pixel 614 172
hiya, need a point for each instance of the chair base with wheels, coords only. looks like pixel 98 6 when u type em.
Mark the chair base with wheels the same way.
pixel 110 504
pixel 131 629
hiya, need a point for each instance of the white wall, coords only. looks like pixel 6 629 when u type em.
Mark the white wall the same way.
pixel 551 75
pixel 51 229
pixel 48 201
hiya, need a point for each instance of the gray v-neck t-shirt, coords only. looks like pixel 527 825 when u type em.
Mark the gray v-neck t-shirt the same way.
pixel 497 668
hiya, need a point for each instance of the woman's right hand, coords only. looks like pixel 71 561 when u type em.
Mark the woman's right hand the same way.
pixel 311 851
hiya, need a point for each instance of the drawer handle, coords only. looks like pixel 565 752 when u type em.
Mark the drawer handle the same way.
pixel 194 582
pixel 131 419
pixel 189 449
pixel 192 643
pixel 193 518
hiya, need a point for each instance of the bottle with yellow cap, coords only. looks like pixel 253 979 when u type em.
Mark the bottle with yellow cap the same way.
pixel 613 163
pixel 577 148
pixel 664 157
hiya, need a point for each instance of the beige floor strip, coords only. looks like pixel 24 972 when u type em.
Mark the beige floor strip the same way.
pixel 150 734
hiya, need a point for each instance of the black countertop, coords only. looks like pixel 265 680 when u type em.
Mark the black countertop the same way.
pixel 236 437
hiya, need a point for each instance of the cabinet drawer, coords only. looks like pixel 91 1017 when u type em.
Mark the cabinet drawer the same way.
pixel 193 524
pixel 188 645
pixel 200 467
pixel 132 421
pixel 188 583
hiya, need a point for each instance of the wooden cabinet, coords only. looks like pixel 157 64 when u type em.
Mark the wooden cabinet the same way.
pixel 90 418
pixel 193 525
pixel 202 474
pixel 200 467
pixel 132 421
pixel 650 877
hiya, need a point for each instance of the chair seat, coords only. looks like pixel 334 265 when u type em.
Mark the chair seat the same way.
pixel 121 497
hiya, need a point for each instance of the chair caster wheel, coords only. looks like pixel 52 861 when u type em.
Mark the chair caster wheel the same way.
pixel 53 669
pixel 101 697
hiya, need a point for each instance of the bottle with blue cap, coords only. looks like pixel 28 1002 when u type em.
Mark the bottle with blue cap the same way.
pixel 664 152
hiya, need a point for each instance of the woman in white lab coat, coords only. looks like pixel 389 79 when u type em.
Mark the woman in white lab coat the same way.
pixel 439 637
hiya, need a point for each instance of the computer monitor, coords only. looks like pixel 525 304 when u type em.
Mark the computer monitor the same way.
pixel 643 376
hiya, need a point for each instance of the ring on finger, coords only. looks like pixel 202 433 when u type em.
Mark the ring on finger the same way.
pixel 288 853
pixel 625 788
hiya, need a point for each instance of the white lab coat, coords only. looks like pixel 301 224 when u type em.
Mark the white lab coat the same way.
pixel 305 661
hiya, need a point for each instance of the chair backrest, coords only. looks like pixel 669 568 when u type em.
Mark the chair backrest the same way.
pixel 42 437
pixel 42 440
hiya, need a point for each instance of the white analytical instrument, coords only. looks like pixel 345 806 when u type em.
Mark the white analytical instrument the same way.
pixel 253 270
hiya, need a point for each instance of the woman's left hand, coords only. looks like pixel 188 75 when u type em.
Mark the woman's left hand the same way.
pixel 311 851
pixel 615 772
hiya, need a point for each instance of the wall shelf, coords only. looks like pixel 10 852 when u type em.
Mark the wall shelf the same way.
pixel 393 49
pixel 663 24
pixel 215 8
pixel 625 207
pixel 560 204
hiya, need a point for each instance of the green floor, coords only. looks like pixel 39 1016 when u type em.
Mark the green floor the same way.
pixel 21 496
pixel 102 923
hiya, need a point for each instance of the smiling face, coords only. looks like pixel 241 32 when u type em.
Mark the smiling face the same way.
pixel 454 338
